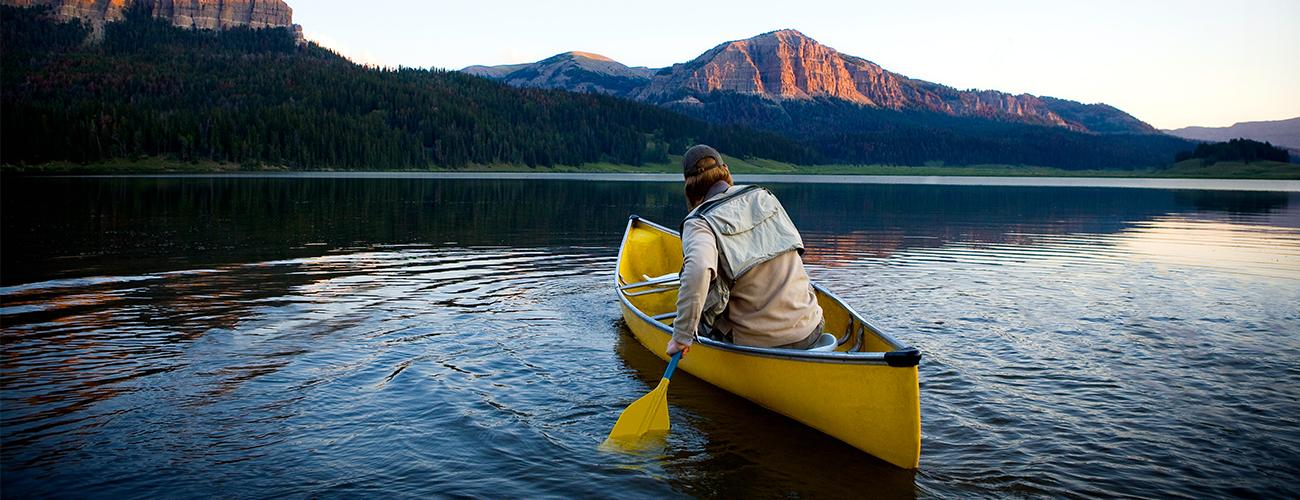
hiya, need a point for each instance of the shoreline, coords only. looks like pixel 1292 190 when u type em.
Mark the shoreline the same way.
pixel 1190 170
pixel 1271 185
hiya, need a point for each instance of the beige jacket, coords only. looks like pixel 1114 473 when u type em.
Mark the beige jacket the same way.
pixel 773 304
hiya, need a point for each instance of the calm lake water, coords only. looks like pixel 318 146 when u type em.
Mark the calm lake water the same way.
pixel 461 337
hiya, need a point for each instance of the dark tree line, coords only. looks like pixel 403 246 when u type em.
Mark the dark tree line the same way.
pixel 256 96
pixel 846 132
pixel 1235 150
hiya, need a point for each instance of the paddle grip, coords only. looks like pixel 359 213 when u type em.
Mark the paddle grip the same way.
pixel 672 365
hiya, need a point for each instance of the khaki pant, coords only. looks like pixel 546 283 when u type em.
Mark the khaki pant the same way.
pixel 804 344
pixel 808 341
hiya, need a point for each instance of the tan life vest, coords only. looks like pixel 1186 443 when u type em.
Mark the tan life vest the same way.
pixel 751 227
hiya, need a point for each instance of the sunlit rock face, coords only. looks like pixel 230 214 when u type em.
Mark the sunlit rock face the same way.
pixel 223 14
pixel 787 64
pixel 90 10
pixel 782 64
pixel 200 14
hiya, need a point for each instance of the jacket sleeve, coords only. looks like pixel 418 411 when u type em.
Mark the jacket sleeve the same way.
pixel 699 267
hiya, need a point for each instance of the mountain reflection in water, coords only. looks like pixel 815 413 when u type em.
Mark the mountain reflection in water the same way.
pixel 266 336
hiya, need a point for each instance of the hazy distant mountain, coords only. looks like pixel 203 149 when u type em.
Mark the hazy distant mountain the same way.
pixel 1285 133
pixel 493 71
pixel 574 71
pixel 786 65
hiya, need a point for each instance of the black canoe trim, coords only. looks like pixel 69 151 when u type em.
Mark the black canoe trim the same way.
pixel 899 359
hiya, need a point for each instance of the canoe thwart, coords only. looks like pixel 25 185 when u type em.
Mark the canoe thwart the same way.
pixel 657 280
pixel 652 290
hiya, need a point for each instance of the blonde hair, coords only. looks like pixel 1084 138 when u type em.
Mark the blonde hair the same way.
pixel 709 172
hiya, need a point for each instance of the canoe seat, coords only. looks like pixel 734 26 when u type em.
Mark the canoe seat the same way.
pixel 826 343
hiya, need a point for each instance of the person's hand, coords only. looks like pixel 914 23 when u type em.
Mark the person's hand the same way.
pixel 674 346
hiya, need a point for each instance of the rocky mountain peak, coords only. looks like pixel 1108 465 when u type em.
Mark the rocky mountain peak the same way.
pixel 783 64
pixel 787 65
pixel 586 55
pixel 787 34
pixel 576 71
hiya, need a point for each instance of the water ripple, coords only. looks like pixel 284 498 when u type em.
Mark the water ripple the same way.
pixel 1153 358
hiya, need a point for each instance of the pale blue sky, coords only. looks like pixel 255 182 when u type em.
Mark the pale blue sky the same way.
pixel 1170 63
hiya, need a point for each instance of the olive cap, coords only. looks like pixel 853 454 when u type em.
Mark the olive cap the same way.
pixel 694 155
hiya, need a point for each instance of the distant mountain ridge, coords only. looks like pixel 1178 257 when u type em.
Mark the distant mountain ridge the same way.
pixel 786 65
pixel 1285 133
pixel 574 71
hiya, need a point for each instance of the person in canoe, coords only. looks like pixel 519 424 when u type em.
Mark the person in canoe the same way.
pixel 742 277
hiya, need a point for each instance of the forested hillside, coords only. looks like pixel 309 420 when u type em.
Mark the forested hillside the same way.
pixel 849 133
pixel 1235 150
pixel 256 97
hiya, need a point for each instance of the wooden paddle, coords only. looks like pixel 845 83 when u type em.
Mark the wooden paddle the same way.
pixel 648 414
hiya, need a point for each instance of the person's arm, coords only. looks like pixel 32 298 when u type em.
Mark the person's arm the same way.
pixel 699 266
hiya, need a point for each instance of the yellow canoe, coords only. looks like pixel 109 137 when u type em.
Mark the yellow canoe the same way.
pixel 864 393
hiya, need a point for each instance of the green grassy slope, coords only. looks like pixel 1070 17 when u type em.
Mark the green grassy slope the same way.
pixel 1193 169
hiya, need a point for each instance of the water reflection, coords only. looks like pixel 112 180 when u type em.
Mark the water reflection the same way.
pixel 1246 249
pixel 64 227
pixel 176 336
pixel 724 445
pixel 1234 202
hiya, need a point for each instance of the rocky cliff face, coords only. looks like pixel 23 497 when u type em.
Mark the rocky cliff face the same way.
pixel 782 64
pixel 788 65
pixel 95 11
pixel 222 14
pixel 201 14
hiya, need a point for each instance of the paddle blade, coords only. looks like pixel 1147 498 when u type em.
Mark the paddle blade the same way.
pixel 645 416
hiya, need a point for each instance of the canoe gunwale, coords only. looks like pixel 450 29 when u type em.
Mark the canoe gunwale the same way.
pixel 903 356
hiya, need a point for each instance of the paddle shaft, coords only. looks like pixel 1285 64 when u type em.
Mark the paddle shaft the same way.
pixel 672 365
